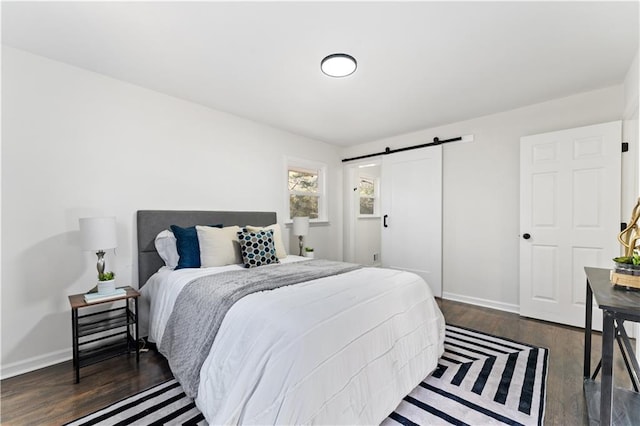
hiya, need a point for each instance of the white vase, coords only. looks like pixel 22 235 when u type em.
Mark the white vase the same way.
pixel 106 287
pixel 308 254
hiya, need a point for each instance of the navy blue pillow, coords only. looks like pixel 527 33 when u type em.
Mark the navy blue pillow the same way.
pixel 188 246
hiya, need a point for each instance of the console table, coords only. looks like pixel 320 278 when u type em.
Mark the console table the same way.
pixel 618 305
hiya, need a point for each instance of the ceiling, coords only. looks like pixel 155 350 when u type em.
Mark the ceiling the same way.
pixel 420 64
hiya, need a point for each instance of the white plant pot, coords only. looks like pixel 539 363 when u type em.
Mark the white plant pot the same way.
pixel 106 287
pixel 308 254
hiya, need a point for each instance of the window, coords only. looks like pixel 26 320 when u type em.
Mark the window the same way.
pixel 306 190
pixel 368 190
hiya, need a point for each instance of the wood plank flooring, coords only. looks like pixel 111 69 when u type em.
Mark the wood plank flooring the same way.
pixel 50 397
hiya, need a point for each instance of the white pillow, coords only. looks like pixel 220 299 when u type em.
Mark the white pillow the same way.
pixel 166 246
pixel 218 246
pixel 281 252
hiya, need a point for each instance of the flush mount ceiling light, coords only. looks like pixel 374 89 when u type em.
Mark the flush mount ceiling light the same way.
pixel 338 65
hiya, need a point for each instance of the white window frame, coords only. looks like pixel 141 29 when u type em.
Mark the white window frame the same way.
pixel 376 196
pixel 314 167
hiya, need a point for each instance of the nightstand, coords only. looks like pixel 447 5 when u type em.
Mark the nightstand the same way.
pixel 101 335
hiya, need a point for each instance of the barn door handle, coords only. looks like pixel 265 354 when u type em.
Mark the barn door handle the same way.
pixel 384 221
pixel 526 236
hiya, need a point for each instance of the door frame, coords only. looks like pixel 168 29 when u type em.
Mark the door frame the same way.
pixel 350 172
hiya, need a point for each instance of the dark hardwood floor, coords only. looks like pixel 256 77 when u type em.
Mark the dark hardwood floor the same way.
pixel 50 397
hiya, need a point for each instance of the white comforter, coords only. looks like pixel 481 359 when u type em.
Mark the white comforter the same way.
pixel 339 350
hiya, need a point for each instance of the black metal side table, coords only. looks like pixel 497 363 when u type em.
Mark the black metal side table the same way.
pixel 102 335
pixel 618 306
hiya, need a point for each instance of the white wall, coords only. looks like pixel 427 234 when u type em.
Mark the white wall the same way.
pixel 630 134
pixel 481 189
pixel 368 235
pixel 630 131
pixel 76 144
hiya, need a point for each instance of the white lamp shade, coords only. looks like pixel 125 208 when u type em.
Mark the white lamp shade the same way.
pixel 98 233
pixel 300 225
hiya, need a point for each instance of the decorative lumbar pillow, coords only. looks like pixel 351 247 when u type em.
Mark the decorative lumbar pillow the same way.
pixel 219 247
pixel 257 248
pixel 167 249
pixel 188 246
pixel 281 252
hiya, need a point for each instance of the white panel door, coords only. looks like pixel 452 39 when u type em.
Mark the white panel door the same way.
pixel 411 200
pixel 570 189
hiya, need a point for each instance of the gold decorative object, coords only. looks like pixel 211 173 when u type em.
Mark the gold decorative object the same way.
pixel 627 272
pixel 629 237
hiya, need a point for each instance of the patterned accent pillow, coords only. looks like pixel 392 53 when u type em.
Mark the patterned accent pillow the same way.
pixel 281 252
pixel 258 248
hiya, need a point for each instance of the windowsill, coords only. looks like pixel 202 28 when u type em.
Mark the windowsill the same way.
pixel 312 223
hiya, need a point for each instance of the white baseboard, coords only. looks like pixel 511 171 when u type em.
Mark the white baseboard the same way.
pixel 501 306
pixel 35 363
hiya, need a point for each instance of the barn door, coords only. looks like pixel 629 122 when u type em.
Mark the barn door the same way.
pixel 411 198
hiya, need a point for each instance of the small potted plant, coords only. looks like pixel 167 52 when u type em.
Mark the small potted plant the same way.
pixel 629 265
pixel 308 252
pixel 106 283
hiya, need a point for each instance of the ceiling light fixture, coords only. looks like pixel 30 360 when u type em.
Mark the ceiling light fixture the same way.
pixel 338 65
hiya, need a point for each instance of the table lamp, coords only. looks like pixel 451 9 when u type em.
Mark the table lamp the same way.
pixel 300 228
pixel 98 234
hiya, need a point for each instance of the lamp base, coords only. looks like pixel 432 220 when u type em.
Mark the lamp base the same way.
pixel 100 265
pixel 300 241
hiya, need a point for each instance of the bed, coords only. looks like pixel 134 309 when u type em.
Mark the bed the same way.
pixel 341 349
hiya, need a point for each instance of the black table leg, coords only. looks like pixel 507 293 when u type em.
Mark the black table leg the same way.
pixel 135 304
pixel 587 332
pixel 74 328
pixel 606 387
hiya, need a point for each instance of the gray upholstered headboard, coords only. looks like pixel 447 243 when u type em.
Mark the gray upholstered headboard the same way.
pixel 151 222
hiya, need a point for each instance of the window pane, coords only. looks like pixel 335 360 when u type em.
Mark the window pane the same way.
pixel 366 205
pixel 303 205
pixel 303 181
pixel 367 188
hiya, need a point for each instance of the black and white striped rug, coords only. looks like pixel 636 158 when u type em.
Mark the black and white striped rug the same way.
pixel 480 380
